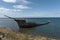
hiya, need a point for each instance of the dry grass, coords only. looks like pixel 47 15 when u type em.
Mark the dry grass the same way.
pixel 20 36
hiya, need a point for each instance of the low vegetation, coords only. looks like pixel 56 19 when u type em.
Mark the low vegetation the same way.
pixel 10 35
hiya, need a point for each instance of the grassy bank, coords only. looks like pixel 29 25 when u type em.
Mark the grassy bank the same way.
pixel 10 35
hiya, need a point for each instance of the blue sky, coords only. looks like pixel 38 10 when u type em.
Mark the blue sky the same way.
pixel 30 8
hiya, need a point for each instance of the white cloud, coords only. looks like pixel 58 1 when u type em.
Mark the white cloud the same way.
pixel 19 13
pixel 14 1
pixel 6 10
pixel 10 1
pixel 24 1
pixel 21 7
pixel 12 12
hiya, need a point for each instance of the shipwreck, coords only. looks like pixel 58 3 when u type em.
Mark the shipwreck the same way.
pixel 23 24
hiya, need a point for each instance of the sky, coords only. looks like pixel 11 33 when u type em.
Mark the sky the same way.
pixel 30 8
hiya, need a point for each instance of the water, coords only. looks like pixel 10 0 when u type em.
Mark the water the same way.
pixel 51 30
pixel 9 23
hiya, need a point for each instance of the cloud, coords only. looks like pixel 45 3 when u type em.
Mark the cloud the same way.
pixel 22 4
pixel 14 1
pixel 10 1
pixel 19 13
pixel 11 12
pixel 6 10
pixel 21 7
pixel 24 1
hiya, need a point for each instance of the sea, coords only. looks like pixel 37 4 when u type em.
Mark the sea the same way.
pixel 51 30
